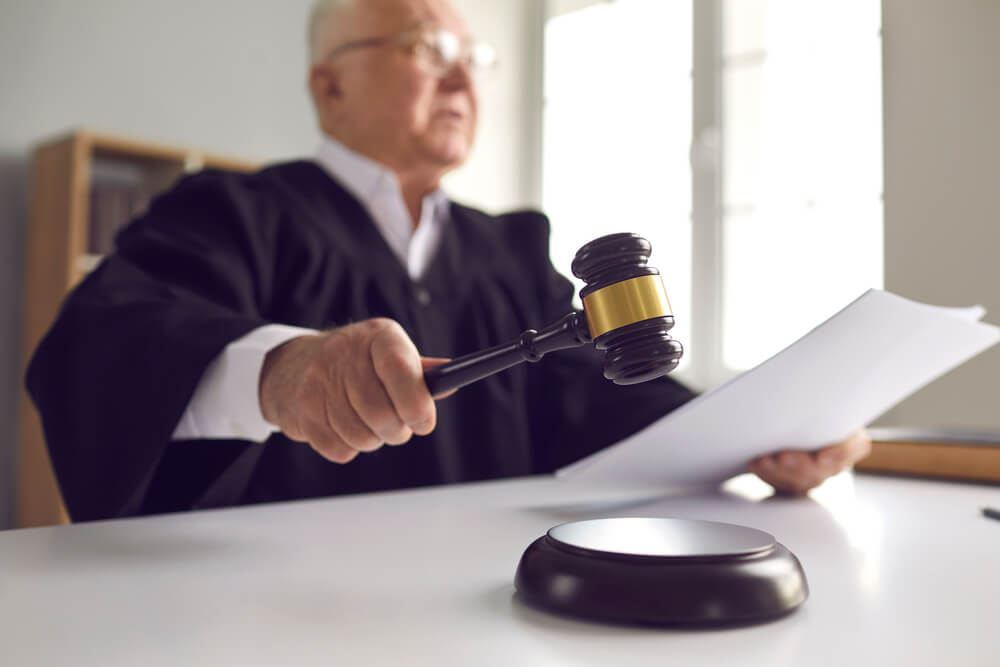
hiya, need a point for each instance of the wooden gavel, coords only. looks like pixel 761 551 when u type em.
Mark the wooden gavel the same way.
pixel 626 314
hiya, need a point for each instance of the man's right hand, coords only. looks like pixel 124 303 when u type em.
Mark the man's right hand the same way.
pixel 349 390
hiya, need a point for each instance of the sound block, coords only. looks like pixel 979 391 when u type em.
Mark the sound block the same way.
pixel 661 572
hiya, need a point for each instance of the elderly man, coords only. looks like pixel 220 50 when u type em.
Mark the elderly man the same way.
pixel 244 315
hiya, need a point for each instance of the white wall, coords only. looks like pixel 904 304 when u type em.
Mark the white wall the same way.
pixel 224 75
pixel 942 184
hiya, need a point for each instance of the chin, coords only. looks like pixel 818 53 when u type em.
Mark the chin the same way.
pixel 451 154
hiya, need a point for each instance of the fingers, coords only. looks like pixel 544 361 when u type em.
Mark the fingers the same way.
pixel 348 391
pixel 328 444
pixel 349 419
pixel 369 402
pixel 399 369
pixel 841 455
pixel 796 472
pixel 858 446
pixel 789 472
pixel 377 397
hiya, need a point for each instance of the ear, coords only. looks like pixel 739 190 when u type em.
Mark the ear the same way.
pixel 325 85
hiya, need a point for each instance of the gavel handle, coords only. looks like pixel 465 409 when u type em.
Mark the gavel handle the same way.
pixel 570 331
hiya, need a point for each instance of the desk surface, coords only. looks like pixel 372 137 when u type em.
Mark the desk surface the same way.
pixel 900 571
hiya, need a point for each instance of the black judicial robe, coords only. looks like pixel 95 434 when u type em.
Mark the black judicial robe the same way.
pixel 222 254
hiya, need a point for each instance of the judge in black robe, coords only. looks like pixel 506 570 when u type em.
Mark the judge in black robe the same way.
pixel 223 254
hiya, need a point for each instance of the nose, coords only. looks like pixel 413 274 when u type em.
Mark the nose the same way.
pixel 458 76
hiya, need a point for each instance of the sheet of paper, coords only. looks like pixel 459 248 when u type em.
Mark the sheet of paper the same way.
pixel 837 378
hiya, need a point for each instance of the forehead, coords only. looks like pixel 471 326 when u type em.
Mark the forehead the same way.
pixel 384 16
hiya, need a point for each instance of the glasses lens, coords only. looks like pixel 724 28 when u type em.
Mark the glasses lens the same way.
pixel 447 48
pixel 482 56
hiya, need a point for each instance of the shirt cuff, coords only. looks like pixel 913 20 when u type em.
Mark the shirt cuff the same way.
pixel 226 403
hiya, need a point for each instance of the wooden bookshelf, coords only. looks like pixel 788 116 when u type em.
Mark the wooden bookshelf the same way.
pixel 66 172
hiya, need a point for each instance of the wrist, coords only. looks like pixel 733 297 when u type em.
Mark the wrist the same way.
pixel 271 385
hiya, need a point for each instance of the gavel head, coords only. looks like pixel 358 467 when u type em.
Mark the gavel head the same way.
pixel 627 309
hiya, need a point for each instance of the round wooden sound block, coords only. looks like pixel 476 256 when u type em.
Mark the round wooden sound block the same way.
pixel 662 572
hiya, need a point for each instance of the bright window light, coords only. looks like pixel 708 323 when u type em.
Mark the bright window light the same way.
pixel 801 168
pixel 617 128
pixel 798 209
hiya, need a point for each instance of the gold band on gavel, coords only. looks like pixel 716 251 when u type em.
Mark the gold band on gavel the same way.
pixel 627 302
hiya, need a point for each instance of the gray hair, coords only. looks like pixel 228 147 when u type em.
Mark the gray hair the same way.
pixel 319 24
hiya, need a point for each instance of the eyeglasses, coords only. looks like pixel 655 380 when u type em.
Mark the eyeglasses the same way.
pixel 438 49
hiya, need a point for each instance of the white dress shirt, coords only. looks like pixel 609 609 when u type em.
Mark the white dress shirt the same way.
pixel 225 404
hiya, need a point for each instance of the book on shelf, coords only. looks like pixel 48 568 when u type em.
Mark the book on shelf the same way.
pixel 944 453
pixel 119 192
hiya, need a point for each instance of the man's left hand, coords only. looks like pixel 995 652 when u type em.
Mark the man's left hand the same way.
pixel 795 472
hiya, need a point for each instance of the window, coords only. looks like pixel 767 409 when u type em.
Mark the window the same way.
pixel 617 121
pixel 801 168
pixel 775 221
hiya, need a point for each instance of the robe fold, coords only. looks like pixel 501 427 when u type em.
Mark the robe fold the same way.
pixel 222 254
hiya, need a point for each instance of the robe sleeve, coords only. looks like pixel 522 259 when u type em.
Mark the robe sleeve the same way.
pixel 116 370
pixel 575 410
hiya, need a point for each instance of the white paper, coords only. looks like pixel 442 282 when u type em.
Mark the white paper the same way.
pixel 837 378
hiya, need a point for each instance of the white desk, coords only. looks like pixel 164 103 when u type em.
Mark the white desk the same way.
pixel 901 572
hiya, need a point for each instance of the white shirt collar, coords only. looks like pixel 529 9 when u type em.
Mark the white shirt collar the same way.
pixel 377 189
